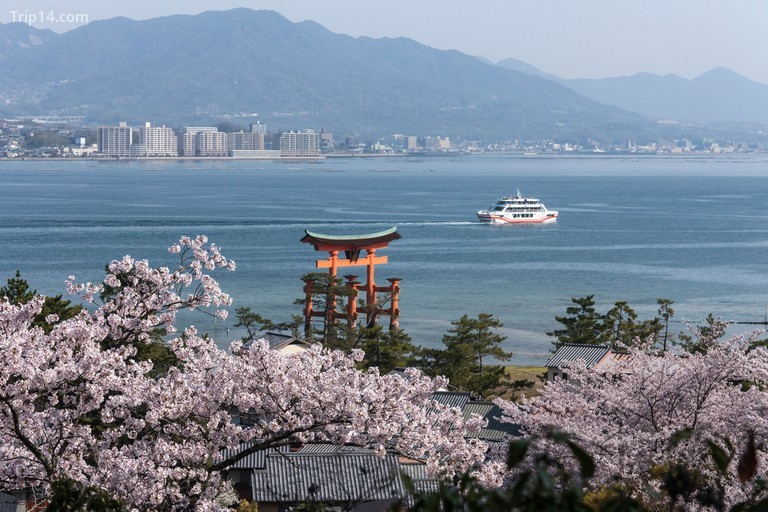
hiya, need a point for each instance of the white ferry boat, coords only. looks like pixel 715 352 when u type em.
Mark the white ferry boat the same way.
pixel 517 210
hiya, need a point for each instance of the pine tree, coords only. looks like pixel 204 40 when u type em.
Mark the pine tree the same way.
pixel 255 324
pixel 467 346
pixel 583 324
pixel 665 312
pixel 18 292
pixel 386 349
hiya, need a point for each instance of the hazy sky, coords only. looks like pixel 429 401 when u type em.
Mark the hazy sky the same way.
pixel 569 38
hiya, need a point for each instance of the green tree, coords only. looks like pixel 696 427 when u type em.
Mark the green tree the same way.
pixel 44 139
pixel 708 335
pixel 467 346
pixel 17 291
pixel 647 328
pixel 386 349
pixel 582 323
pixel 665 313
pixel 619 324
pixel 255 324
pixel 329 295
pixel 519 385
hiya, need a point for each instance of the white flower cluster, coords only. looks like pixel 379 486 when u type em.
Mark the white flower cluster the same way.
pixel 77 403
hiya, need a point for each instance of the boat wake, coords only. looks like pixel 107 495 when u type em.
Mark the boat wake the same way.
pixel 438 223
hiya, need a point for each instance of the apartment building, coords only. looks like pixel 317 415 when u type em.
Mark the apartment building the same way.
pixel 204 141
pixel 154 141
pixel 258 127
pixel 114 140
pixel 300 144
pixel 245 141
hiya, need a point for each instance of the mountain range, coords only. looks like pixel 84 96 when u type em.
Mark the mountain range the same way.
pixel 719 95
pixel 185 69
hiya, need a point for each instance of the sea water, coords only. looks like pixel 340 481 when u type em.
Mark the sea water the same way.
pixel 686 228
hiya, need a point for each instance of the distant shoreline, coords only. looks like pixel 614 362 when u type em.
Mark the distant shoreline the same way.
pixel 330 156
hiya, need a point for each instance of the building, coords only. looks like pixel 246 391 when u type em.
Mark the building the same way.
pixel 283 343
pixel 211 144
pixel 244 141
pixel 326 141
pixel 593 356
pixel 155 141
pixel 346 476
pixel 204 141
pixel 114 140
pixel 330 476
pixel 300 144
pixel 257 127
pixel 437 143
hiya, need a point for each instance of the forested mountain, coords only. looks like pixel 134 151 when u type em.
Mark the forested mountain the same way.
pixel 183 68
pixel 717 96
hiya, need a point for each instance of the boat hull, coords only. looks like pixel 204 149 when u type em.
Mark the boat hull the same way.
pixel 489 218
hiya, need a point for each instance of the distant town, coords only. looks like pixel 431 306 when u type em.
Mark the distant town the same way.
pixel 70 137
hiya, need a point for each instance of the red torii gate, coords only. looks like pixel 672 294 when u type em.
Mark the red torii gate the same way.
pixel 351 246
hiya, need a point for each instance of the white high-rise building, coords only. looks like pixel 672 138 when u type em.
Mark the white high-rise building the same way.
pixel 204 141
pixel 300 144
pixel 114 140
pixel 211 143
pixel 155 141
pixel 257 127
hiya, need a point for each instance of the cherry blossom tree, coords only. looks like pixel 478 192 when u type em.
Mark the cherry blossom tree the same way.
pixel 651 417
pixel 78 404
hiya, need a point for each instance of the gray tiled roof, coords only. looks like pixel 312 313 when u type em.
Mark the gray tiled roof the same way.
pixel 495 430
pixel 329 473
pixel 590 354
pixel 423 482
pixel 325 477
pixel 451 398
pixel 8 502
pixel 332 448
pixel 277 341
pixel 252 461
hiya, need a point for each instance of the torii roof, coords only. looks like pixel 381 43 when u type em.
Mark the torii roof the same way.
pixel 350 242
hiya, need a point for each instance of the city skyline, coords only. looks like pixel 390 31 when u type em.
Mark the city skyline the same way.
pixel 572 40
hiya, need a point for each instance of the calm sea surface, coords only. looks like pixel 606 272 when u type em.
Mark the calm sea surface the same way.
pixel 690 229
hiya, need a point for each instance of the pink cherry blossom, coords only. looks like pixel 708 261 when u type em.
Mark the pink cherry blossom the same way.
pixel 626 414
pixel 76 403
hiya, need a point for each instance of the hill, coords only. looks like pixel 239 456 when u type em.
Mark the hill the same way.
pixel 717 96
pixel 184 69
pixel 16 37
